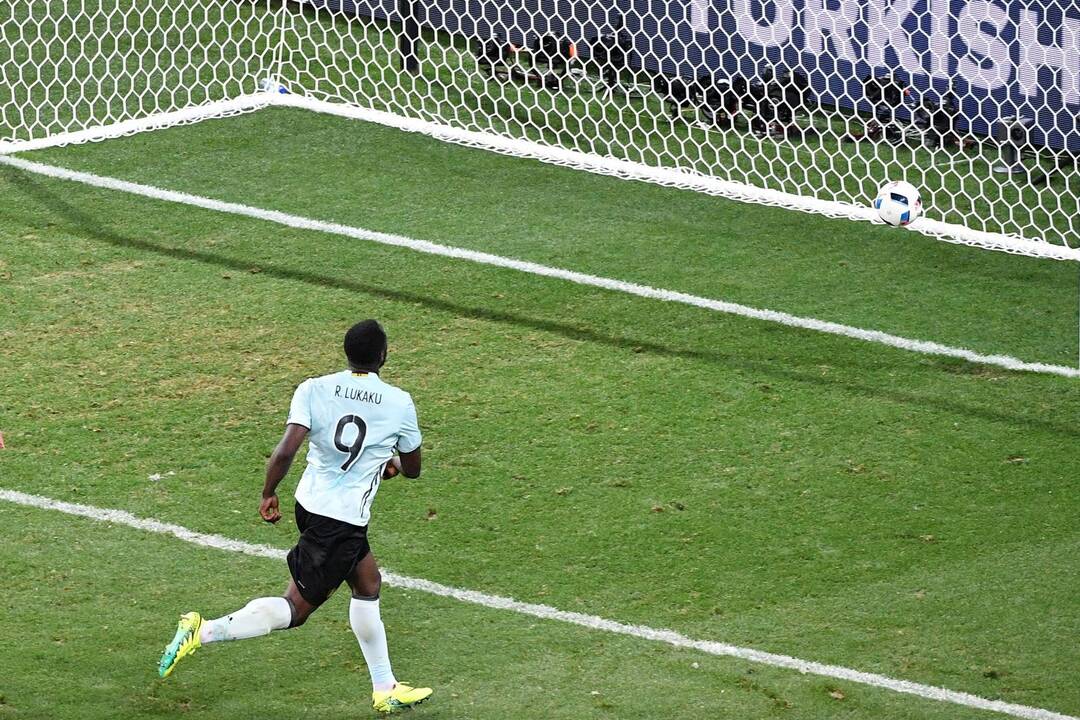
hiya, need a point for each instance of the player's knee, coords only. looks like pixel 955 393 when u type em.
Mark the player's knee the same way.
pixel 367 587
pixel 299 617
pixel 299 610
pixel 269 613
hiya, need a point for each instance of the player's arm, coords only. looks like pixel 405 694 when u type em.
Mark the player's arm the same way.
pixel 277 467
pixel 406 463
pixel 410 463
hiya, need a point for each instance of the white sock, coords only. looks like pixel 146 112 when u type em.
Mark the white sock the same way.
pixel 258 617
pixel 368 627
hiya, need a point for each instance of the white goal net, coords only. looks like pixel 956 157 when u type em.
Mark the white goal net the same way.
pixel 68 67
pixel 809 104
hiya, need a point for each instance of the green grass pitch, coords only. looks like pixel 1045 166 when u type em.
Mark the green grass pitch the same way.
pixel 649 463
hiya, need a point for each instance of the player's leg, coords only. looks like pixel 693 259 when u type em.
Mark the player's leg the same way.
pixel 367 624
pixel 259 617
pixel 263 615
pixel 387 694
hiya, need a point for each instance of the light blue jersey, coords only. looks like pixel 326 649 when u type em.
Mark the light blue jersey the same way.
pixel 356 421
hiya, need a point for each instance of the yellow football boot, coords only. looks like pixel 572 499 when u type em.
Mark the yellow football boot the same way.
pixel 398 699
pixel 185 642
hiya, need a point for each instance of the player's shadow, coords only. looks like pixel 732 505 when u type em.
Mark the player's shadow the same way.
pixel 90 226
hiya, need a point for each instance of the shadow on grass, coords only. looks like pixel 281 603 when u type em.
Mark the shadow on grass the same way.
pixel 93 228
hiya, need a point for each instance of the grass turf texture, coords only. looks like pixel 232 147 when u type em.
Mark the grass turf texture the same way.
pixel 378 178
pixel 646 462
pixel 502 663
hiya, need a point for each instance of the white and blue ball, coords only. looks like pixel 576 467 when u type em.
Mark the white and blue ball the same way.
pixel 898 203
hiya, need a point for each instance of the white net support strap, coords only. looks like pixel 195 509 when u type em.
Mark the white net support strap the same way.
pixel 185 116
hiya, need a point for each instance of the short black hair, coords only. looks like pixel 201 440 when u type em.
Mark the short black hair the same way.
pixel 365 343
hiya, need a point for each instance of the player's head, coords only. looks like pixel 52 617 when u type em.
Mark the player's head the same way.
pixel 365 345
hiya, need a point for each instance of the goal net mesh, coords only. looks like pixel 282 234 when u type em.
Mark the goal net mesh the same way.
pixel 811 104
pixel 69 65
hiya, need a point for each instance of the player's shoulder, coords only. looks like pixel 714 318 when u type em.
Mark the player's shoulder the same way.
pixel 329 378
pixel 321 381
pixel 393 391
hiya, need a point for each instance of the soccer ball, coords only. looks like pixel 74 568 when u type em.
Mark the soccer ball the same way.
pixel 898 203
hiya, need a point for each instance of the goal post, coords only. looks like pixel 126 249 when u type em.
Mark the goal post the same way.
pixel 804 104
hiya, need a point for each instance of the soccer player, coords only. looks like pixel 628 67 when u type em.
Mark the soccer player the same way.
pixel 355 422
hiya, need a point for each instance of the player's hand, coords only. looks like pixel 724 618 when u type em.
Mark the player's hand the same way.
pixel 392 469
pixel 268 509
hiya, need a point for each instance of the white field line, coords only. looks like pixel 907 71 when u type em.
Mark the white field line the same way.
pixel 599 164
pixel 195 113
pixel 674 177
pixel 296 221
pixel 546 612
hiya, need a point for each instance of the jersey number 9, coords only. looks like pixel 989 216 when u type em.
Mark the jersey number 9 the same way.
pixel 353 449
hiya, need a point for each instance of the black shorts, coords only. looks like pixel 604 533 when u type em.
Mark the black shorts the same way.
pixel 325 555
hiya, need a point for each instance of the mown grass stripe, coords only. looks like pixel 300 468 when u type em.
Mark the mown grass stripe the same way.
pixel 295 221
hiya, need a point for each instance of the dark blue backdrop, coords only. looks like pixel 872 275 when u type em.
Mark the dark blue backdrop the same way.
pixel 1002 57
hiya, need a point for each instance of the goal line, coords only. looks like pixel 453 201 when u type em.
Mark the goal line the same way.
pixel 593 163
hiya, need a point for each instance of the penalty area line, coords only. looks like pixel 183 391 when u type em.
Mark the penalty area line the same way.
pixel 925 347
pixel 546 612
